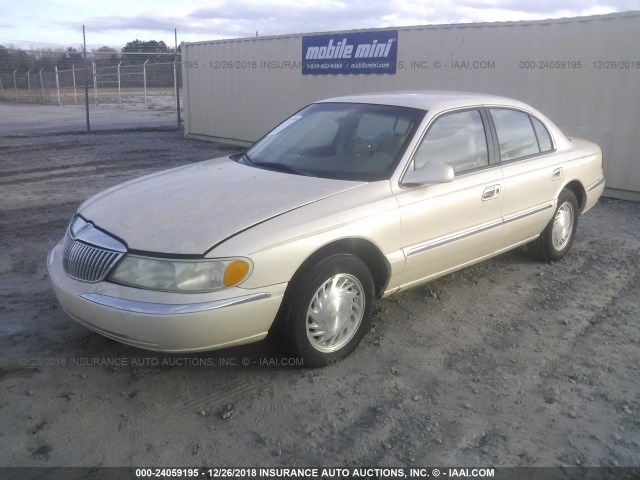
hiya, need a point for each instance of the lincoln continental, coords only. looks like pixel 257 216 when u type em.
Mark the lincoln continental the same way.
pixel 347 201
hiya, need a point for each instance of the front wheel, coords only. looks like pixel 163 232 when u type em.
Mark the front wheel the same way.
pixel 330 310
pixel 556 239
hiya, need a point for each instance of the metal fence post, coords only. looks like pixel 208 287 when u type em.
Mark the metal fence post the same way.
pixel 29 83
pixel 95 83
pixel 75 93
pixel 175 83
pixel 57 84
pixel 144 79
pixel 41 84
pixel 119 92
pixel 86 77
pixel 176 78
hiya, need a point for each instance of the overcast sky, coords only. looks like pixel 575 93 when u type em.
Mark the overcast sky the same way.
pixel 58 23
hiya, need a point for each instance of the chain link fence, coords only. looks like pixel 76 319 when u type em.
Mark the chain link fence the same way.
pixel 147 85
pixel 57 90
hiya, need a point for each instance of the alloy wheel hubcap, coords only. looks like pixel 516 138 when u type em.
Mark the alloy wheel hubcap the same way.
pixel 335 313
pixel 562 226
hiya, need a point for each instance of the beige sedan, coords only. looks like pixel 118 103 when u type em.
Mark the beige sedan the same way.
pixel 349 200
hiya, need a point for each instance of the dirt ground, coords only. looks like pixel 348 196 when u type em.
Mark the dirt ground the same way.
pixel 18 119
pixel 512 362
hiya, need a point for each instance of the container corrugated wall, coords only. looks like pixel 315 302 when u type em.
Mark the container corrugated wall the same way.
pixel 584 73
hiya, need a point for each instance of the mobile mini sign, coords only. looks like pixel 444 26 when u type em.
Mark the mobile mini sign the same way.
pixel 350 53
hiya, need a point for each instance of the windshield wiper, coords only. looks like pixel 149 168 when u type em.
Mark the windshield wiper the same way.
pixel 278 167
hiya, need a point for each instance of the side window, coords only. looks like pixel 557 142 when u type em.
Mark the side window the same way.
pixel 516 136
pixel 544 139
pixel 457 139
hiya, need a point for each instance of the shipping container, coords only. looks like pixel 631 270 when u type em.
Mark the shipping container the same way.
pixel 584 73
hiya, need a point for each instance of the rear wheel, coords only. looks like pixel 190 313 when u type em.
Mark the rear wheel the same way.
pixel 558 235
pixel 329 310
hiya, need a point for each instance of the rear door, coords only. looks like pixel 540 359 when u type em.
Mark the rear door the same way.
pixel 532 173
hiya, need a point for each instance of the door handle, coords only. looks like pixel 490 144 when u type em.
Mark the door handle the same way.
pixel 491 192
pixel 557 174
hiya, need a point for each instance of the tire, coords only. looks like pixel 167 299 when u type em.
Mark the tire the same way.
pixel 329 310
pixel 556 239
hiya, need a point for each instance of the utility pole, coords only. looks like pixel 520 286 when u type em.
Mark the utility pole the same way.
pixel 86 77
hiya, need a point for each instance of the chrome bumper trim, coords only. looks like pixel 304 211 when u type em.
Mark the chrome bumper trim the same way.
pixel 532 211
pixel 595 184
pixel 437 242
pixel 116 336
pixel 168 308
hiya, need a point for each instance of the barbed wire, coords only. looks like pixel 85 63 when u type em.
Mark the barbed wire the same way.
pixel 93 52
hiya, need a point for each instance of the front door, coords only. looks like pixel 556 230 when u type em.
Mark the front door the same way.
pixel 449 225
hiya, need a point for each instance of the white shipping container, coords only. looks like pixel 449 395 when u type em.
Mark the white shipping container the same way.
pixel 584 73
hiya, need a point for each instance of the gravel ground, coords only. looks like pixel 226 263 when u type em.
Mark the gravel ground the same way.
pixel 511 362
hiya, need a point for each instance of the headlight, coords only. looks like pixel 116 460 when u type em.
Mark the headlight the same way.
pixel 180 275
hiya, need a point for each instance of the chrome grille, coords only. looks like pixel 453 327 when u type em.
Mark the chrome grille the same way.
pixel 88 253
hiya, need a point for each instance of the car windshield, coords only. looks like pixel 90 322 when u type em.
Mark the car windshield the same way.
pixel 351 141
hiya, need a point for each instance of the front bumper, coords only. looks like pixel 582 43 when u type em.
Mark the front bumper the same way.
pixel 167 322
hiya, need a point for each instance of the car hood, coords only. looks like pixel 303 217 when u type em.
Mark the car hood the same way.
pixel 189 209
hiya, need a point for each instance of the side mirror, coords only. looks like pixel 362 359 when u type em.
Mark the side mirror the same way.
pixel 429 173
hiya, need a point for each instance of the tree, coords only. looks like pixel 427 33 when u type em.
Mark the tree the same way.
pixel 46 58
pixel 70 58
pixel 23 60
pixel 4 58
pixel 139 51
pixel 106 57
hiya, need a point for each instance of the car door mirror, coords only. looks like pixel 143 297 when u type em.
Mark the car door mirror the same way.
pixel 429 173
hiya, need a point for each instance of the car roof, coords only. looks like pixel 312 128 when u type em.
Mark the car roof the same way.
pixel 428 99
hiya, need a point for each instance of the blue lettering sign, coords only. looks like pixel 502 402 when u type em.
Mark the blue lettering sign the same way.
pixel 350 53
